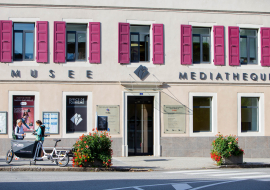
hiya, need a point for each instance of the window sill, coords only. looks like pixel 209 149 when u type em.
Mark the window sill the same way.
pixel 202 134
pixel 250 134
pixel 24 63
pixel 137 64
pixel 250 67
pixel 77 64
pixel 203 66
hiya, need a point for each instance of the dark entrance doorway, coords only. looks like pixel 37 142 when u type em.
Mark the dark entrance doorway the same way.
pixel 140 125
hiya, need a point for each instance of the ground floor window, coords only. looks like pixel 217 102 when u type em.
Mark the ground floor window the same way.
pixel 76 114
pixel 24 109
pixel 249 114
pixel 202 114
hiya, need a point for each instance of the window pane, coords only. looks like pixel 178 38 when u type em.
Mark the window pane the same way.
pixel 206 48
pixel 71 46
pixel 29 46
pixel 201 119
pixel 196 48
pixel 202 114
pixel 201 101
pixel 252 50
pixel 249 114
pixel 247 101
pixel 248 32
pixel 144 47
pixel 243 50
pixel 18 53
pixel 76 27
pixel 81 46
pixel 140 29
pixel 200 30
pixel 24 26
pixel 134 49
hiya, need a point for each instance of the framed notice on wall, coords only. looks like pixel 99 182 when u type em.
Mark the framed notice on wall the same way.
pixel 174 119
pixel 3 122
pixel 112 114
pixel 51 122
pixel 102 123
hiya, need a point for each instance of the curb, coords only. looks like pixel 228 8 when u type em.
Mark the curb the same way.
pixel 75 169
pixel 246 166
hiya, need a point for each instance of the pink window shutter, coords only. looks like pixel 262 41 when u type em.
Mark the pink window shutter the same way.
pixel 158 44
pixel 265 46
pixel 123 43
pixel 186 44
pixel 6 41
pixel 94 42
pixel 219 45
pixel 234 57
pixel 42 41
pixel 59 42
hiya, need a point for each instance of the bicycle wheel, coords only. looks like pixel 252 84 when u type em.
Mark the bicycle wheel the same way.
pixel 62 161
pixel 9 156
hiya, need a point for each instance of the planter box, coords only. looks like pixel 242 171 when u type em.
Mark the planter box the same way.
pixel 96 163
pixel 232 160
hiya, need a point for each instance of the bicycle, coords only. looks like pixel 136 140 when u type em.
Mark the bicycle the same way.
pixel 31 149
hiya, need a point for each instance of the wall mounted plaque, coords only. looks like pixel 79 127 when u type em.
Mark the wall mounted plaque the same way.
pixel 112 112
pixel 51 122
pixel 174 119
pixel 3 122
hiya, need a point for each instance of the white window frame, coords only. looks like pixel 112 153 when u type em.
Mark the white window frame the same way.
pixel 79 63
pixel 89 114
pixel 150 62
pixel 25 63
pixel 260 132
pixel 211 64
pixel 214 114
pixel 10 107
pixel 257 27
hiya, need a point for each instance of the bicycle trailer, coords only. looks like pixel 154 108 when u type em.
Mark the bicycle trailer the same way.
pixel 24 148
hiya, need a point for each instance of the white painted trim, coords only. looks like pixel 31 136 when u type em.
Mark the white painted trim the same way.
pixel 143 22
pixel 83 21
pixel 261 114
pixel 214 114
pixel 211 25
pixel 156 105
pixel 89 114
pixel 258 27
pixel 24 19
pixel 10 107
pixel 24 63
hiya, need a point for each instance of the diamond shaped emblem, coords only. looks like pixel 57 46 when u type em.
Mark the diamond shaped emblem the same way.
pixel 76 119
pixel 141 72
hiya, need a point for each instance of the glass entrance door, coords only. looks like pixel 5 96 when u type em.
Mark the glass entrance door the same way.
pixel 140 125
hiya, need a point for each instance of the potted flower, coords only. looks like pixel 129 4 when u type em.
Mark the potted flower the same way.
pixel 93 150
pixel 225 150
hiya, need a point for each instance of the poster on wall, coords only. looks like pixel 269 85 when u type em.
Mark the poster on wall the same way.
pixel 174 119
pixel 51 122
pixel 24 109
pixel 102 123
pixel 3 122
pixel 76 114
pixel 112 112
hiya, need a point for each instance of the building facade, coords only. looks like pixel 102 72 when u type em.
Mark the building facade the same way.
pixel 164 77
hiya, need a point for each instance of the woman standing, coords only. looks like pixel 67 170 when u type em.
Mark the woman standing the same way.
pixel 40 131
pixel 19 132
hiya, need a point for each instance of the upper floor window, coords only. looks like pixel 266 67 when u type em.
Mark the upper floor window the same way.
pixel 248 46
pixel 23 48
pixel 76 42
pixel 139 43
pixel 201 40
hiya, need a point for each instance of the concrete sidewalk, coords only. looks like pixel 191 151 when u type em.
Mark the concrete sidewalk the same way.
pixel 138 163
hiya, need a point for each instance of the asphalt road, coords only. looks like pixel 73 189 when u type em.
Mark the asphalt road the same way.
pixel 172 180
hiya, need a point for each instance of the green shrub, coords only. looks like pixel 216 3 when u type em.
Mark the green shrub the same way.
pixel 95 146
pixel 224 147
